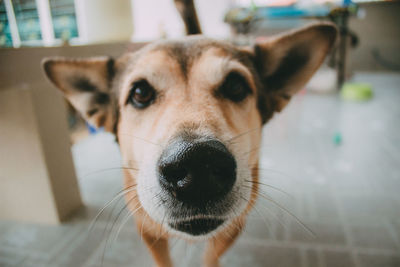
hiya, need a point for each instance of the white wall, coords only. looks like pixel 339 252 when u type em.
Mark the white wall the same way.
pixel 104 20
pixel 154 18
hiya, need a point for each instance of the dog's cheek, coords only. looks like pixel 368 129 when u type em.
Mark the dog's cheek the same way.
pixel 241 190
pixel 142 157
pixel 246 152
pixel 149 191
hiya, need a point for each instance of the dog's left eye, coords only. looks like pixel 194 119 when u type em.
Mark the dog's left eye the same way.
pixel 234 87
pixel 142 95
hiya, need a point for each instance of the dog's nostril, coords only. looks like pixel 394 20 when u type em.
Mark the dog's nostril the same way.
pixel 173 174
pixel 184 183
pixel 197 171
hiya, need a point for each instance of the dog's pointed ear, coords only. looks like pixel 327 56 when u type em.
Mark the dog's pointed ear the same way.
pixel 285 63
pixel 86 84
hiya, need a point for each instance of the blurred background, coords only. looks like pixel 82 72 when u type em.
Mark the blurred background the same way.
pixel 330 160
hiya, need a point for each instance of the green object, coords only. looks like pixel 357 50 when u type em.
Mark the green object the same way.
pixel 356 91
pixel 337 139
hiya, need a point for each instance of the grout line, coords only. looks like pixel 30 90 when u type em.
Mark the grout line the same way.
pixel 392 232
pixel 343 221
pixel 315 246
pixel 321 258
pixel 304 258
pixel 347 233
pixel 64 244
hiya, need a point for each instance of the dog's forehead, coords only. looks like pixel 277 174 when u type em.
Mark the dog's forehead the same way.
pixel 186 51
pixel 191 60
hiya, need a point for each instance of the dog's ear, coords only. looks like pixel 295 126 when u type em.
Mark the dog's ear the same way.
pixel 86 84
pixel 285 63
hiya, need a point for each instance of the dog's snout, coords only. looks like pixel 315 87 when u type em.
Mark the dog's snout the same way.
pixel 196 172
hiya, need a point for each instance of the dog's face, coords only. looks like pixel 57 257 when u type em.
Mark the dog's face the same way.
pixel 189 100
pixel 188 117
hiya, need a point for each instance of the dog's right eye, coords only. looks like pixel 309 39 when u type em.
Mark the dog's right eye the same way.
pixel 142 95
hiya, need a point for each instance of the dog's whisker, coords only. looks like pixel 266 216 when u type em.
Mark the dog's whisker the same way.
pixel 122 193
pixel 113 224
pixel 252 150
pixel 156 240
pixel 141 227
pixel 119 195
pixel 133 213
pixel 272 171
pixel 141 138
pixel 242 134
pixel 275 216
pixel 227 234
pixel 158 204
pixel 110 169
pixel 263 178
pixel 162 223
pixel 261 215
pixel 270 186
pixel 287 212
pixel 125 220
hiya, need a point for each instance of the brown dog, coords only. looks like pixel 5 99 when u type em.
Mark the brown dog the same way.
pixel 186 114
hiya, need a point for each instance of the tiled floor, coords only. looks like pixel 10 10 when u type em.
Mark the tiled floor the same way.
pixel 347 194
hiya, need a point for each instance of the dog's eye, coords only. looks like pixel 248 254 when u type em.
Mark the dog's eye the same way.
pixel 234 87
pixel 142 94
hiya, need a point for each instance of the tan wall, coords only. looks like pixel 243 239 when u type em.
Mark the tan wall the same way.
pixel 379 29
pixel 23 65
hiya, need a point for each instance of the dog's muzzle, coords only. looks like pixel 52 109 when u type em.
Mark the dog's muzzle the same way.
pixel 197 174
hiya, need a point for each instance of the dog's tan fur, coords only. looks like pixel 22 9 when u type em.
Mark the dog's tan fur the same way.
pixel 186 74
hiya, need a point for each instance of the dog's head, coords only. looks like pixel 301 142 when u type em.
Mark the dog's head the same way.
pixel 188 116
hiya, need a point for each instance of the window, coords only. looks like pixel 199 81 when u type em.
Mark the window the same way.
pixel 28 23
pixel 37 22
pixel 5 33
pixel 64 20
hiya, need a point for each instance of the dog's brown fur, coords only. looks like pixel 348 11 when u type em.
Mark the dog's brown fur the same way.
pixel 186 74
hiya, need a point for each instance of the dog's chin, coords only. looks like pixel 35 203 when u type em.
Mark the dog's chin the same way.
pixel 197 227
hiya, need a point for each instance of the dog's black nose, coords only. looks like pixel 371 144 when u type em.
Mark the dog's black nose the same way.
pixel 197 172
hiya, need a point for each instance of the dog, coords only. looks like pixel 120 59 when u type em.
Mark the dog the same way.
pixel 186 114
